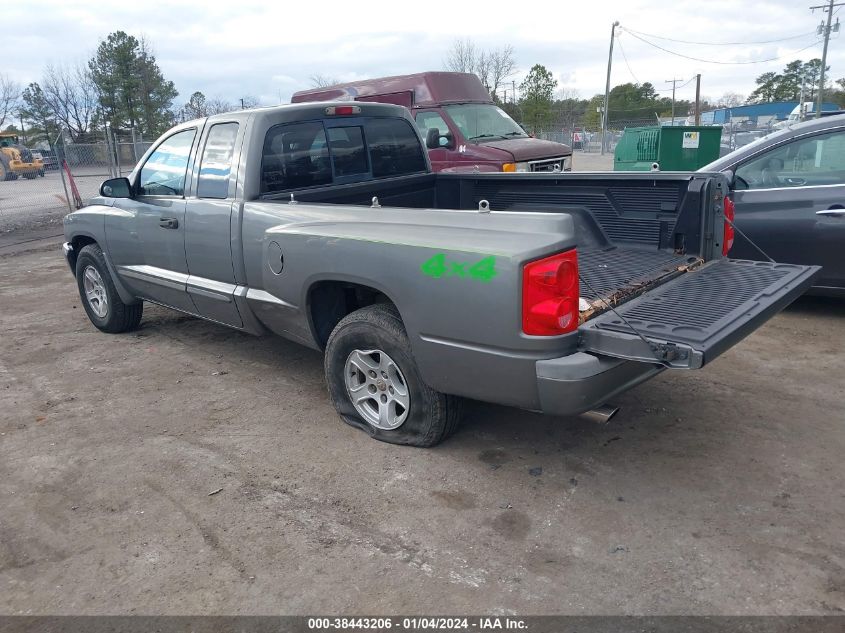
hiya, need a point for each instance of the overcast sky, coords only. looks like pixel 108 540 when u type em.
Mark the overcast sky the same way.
pixel 271 49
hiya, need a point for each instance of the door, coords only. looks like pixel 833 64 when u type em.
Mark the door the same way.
pixel 208 233
pixel 146 233
pixel 790 200
pixel 442 157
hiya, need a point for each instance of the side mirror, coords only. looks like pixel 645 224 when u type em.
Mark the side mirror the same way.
pixel 116 188
pixel 434 139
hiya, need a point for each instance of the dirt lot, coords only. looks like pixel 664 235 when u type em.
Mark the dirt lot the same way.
pixel 716 491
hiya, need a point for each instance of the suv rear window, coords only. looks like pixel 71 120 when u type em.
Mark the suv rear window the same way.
pixel 298 155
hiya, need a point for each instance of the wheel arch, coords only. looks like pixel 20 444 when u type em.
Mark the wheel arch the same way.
pixel 330 300
pixel 80 241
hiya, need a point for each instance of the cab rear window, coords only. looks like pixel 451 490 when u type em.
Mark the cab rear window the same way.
pixel 311 154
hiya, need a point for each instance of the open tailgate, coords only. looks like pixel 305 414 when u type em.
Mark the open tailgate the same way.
pixel 693 318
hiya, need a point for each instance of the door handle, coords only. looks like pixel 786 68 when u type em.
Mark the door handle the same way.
pixel 835 212
pixel 796 182
pixel 168 223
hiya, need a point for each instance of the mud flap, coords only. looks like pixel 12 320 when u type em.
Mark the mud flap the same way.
pixel 690 320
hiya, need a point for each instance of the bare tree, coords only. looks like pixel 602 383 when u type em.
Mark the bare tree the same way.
pixel 249 101
pixel 10 91
pixel 218 106
pixel 730 100
pixel 492 67
pixel 323 81
pixel 71 94
pixel 502 66
pixel 462 57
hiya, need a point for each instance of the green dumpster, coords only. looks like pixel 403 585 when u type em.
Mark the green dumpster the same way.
pixel 672 148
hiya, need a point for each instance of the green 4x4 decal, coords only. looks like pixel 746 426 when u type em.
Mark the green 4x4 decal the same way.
pixel 437 267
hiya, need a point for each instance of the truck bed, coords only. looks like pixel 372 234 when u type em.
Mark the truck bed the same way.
pixel 633 233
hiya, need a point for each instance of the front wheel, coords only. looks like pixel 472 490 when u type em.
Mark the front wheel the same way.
pixel 375 385
pixel 100 298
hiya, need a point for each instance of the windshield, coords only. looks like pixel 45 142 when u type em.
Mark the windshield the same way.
pixel 484 122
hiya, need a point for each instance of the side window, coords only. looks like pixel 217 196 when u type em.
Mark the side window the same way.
pixel 216 165
pixel 395 148
pixel 164 172
pixel 428 120
pixel 295 155
pixel 347 148
pixel 819 160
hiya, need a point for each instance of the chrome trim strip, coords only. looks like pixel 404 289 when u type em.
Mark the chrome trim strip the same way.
pixel 266 297
pixel 744 191
pixel 154 275
pixel 211 289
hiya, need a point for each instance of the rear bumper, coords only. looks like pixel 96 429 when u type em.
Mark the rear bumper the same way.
pixel 579 382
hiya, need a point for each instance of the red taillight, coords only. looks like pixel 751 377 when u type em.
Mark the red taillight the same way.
pixel 550 295
pixel 343 110
pixel 728 240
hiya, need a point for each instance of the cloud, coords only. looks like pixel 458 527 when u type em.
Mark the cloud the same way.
pixel 271 49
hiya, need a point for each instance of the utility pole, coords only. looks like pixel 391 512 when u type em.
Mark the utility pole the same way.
pixel 607 89
pixel 698 99
pixel 825 29
pixel 674 82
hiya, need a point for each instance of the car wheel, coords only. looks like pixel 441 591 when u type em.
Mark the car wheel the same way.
pixel 100 298
pixel 375 385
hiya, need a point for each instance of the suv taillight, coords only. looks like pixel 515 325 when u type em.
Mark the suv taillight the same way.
pixel 728 240
pixel 550 295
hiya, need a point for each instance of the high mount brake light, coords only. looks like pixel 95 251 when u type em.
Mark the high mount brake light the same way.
pixel 332 110
pixel 550 294
pixel 728 240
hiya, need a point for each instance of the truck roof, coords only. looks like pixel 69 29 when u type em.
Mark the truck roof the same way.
pixel 412 91
pixel 292 112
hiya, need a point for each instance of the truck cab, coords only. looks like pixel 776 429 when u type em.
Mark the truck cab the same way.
pixel 463 127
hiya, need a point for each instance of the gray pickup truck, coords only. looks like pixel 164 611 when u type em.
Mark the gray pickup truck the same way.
pixel 323 223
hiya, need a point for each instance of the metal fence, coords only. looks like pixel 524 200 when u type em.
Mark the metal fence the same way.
pixel 71 174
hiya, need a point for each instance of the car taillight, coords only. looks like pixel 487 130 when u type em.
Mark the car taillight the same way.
pixel 550 295
pixel 343 110
pixel 728 240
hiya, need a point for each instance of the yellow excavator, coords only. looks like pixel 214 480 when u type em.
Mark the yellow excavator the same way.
pixel 16 160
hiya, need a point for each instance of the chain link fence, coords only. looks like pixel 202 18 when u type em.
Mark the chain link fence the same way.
pixel 68 176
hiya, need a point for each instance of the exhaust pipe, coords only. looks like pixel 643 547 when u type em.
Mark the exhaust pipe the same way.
pixel 600 415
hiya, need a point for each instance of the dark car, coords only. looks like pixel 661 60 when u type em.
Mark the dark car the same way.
pixel 788 190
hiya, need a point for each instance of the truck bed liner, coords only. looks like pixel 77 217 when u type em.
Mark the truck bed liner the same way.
pixel 615 274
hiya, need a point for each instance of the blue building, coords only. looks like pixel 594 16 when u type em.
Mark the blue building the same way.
pixel 775 111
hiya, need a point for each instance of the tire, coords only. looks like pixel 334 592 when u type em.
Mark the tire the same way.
pixel 377 331
pixel 5 171
pixel 100 298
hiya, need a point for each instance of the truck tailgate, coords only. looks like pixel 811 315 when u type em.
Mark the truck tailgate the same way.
pixel 693 318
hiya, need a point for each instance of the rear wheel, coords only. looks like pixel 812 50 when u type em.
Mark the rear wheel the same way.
pixel 100 298
pixel 375 385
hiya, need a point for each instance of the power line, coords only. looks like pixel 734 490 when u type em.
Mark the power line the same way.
pixel 713 61
pixel 670 39
pixel 625 57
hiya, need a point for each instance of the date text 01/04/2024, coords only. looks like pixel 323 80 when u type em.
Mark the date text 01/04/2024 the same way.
pixel 483 270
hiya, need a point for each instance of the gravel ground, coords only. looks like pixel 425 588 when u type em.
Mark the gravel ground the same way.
pixel 718 491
